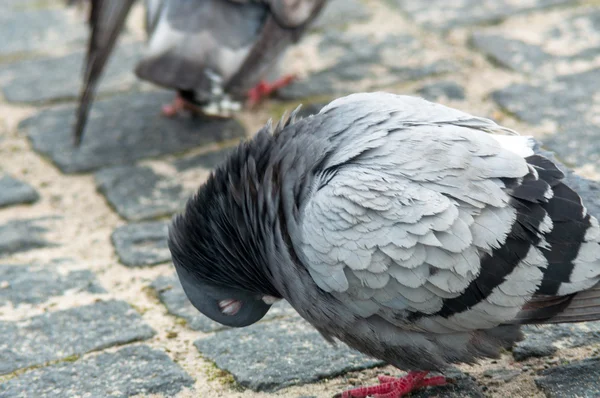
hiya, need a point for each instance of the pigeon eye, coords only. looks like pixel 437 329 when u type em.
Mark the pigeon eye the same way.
pixel 230 306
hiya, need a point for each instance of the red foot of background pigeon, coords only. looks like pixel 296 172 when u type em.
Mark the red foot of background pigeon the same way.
pixel 178 104
pixel 265 89
pixel 394 387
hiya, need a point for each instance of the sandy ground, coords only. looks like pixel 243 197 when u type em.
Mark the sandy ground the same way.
pixel 87 223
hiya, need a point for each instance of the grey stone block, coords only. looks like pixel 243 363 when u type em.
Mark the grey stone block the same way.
pixel 510 53
pixel 208 160
pixel 21 5
pixel 578 379
pixel 437 90
pixel 133 370
pixel 316 84
pixel 39 31
pixel 564 335
pixel 23 235
pixel 501 375
pixel 403 57
pixel 121 130
pixel 570 102
pixel 341 12
pixel 13 192
pixel 138 193
pixel 35 284
pixel 441 14
pixel 538 48
pixel 462 385
pixel 61 334
pixel 272 355
pixel 171 294
pixel 60 78
pixel 142 244
pixel 533 349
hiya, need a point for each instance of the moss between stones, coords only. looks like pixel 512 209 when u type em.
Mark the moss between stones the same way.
pixel 213 373
pixel 18 372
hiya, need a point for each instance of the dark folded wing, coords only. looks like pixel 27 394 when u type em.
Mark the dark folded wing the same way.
pixel 286 23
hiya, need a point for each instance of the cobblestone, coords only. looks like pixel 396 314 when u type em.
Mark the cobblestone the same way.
pixel 142 244
pixel 13 192
pixel 360 57
pixel 463 386
pixel 121 130
pixel 129 371
pixel 38 30
pixel 23 235
pixel 62 334
pixel 545 45
pixel 570 102
pixel 52 79
pixel 32 284
pixel 340 13
pixel 438 90
pixel 578 379
pixel 272 355
pixel 128 188
pixel 440 14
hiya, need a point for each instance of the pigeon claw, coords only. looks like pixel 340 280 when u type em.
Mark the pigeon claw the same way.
pixel 264 89
pixel 394 387
pixel 179 104
pixel 172 109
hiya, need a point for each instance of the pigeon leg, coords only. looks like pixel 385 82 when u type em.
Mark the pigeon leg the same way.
pixel 264 89
pixel 179 104
pixel 172 109
pixel 394 387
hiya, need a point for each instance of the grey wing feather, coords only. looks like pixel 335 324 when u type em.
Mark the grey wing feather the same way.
pixel 106 20
pixel 420 198
pixel 286 23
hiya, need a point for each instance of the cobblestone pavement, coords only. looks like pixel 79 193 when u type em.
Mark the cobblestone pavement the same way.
pixel 89 305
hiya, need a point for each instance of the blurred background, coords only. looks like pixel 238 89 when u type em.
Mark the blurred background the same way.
pixel 89 302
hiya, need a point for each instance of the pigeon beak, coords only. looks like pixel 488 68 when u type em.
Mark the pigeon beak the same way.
pixel 218 304
pixel 270 300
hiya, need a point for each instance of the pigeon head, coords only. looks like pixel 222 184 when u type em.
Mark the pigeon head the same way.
pixel 218 243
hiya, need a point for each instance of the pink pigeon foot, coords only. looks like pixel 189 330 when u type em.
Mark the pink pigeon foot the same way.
pixel 263 89
pixel 179 104
pixel 394 387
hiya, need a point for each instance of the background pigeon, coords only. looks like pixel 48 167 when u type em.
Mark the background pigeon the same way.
pixel 206 49
pixel 413 232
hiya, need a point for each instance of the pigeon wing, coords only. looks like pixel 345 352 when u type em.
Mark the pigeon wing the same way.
pixel 422 217
pixel 286 23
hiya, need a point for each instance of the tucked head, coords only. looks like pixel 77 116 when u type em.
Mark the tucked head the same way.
pixel 217 244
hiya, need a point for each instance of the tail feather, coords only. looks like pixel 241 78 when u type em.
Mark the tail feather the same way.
pixel 578 307
pixel 570 288
pixel 106 20
pixel 584 306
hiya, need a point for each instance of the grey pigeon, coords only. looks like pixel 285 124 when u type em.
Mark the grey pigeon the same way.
pixel 413 232
pixel 207 50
